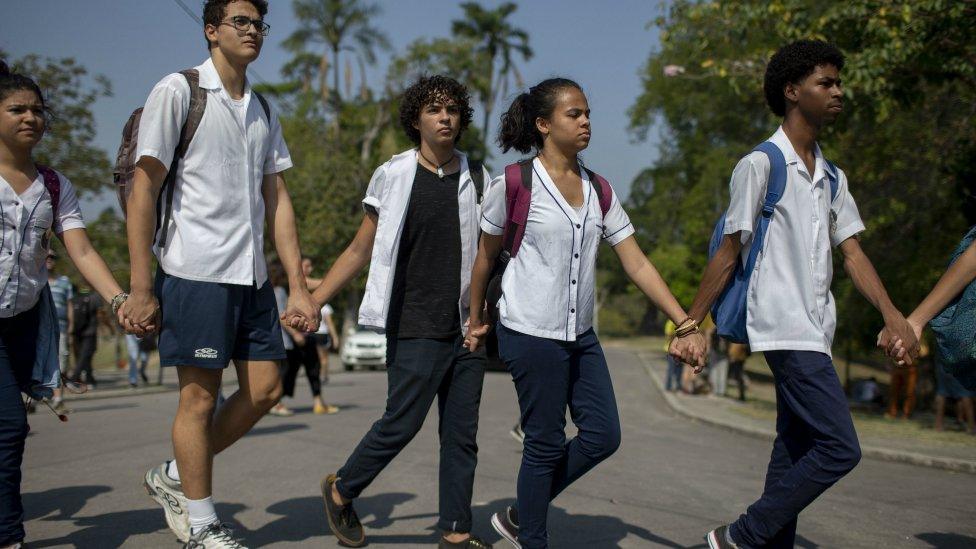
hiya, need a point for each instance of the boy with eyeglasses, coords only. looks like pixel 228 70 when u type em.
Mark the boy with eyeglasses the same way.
pixel 212 288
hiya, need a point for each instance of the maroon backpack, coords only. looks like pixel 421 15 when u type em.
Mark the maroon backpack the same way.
pixel 518 199
pixel 125 161
pixel 53 185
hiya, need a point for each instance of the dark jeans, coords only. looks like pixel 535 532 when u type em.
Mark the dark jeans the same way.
pixel 84 352
pixel 673 379
pixel 18 344
pixel 306 355
pixel 737 372
pixel 418 370
pixel 550 375
pixel 815 447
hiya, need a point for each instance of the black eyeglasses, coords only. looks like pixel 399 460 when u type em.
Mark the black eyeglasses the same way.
pixel 243 24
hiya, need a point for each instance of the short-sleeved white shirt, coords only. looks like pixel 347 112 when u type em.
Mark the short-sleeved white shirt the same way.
pixel 216 231
pixel 28 221
pixel 325 313
pixel 789 304
pixel 548 287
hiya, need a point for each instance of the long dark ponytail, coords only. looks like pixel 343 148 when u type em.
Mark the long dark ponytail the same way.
pixel 518 129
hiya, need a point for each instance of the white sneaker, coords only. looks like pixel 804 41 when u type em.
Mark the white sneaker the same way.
pixel 168 493
pixel 215 536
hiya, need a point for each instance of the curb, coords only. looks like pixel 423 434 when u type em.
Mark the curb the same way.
pixel 874 452
pixel 98 394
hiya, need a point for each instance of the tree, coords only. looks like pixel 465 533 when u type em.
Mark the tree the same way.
pixel 497 39
pixel 334 23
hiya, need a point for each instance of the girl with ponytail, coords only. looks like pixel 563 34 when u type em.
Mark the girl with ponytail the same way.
pixel 545 311
pixel 35 201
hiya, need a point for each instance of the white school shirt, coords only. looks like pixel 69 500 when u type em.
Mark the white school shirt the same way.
pixel 789 305
pixel 216 231
pixel 26 219
pixel 389 195
pixel 548 287
pixel 324 313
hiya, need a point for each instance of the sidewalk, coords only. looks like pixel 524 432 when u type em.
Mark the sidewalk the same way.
pixel 955 452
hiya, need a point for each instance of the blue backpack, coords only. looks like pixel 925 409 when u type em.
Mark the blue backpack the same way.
pixel 955 327
pixel 729 311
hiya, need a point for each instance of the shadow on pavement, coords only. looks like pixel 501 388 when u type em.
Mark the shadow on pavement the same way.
pixel 304 518
pixel 275 429
pixel 944 540
pixel 64 501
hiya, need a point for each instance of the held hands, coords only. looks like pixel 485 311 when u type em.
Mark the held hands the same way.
pixel 475 334
pixel 899 339
pixel 690 349
pixel 139 314
pixel 301 312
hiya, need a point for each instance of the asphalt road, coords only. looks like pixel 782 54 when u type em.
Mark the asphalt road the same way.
pixel 670 482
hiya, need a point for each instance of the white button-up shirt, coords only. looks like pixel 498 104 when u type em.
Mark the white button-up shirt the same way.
pixel 216 231
pixel 548 287
pixel 388 195
pixel 28 221
pixel 789 304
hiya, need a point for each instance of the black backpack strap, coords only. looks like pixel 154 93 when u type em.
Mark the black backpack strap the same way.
pixel 477 173
pixel 198 103
pixel 264 105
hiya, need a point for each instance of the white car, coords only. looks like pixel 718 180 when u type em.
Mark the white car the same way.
pixel 363 347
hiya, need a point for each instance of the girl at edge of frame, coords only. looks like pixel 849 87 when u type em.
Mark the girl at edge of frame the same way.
pixel 27 317
pixel 545 333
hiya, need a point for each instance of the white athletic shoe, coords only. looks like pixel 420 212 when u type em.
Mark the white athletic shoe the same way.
pixel 215 536
pixel 168 493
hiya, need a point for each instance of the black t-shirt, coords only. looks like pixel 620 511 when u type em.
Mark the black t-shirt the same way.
pixel 427 281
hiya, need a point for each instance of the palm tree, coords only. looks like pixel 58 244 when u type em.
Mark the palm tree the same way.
pixel 334 23
pixel 497 39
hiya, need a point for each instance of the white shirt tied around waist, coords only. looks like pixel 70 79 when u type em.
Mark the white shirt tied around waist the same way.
pixel 216 231
pixel 789 304
pixel 28 221
pixel 389 194
pixel 548 287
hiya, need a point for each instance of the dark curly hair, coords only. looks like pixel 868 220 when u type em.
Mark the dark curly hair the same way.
pixel 794 62
pixel 214 12
pixel 426 90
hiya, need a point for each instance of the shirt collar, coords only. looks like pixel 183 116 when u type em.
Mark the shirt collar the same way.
pixel 789 153
pixel 210 78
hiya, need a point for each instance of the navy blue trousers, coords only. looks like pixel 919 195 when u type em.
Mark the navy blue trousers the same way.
pixel 418 371
pixel 550 376
pixel 18 343
pixel 815 446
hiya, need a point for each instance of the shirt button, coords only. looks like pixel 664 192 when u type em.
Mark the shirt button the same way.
pixel 578 225
pixel 571 310
pixel 576 255
pixel 574 282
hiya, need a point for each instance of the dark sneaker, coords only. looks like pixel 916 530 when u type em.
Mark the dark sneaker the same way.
pixel 517 433
pixel 473 542
pixel 506 524
pixel 719 539
pixel 343 520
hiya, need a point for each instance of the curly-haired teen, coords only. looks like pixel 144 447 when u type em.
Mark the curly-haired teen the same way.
pixel 210 250
pixel 419 235
pixel 791 313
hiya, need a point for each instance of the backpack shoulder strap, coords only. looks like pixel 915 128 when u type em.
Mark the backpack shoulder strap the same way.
pixel 776 184
pixel 833 178
pixel 53 185
pixel 603 191
pixel 198 103
pixel 264 105
pixel 518 197
pixel 477 173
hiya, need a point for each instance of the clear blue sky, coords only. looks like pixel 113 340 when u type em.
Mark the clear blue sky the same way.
pixel 134 43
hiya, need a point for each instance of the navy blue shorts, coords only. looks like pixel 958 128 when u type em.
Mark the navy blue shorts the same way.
pixel 208 324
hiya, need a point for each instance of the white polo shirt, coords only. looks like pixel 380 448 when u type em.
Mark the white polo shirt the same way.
pixel 27 219
pixel 789 305
pixel 389 195
pixel 548 287
pixel 216 231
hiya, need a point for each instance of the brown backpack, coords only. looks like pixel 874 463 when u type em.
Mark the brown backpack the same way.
pixel 125 161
